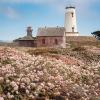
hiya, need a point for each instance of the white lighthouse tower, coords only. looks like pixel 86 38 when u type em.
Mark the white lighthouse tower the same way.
pixel 70 22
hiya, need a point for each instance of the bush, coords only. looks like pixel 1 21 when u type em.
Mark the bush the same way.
pixel 79 49
pixel 40 51
pixel 96 34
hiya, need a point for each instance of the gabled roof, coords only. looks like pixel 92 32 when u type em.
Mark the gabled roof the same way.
pixel 25 38
pixel 51 31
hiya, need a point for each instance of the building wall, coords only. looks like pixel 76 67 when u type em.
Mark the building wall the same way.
pixel 49 41
pixel 26 43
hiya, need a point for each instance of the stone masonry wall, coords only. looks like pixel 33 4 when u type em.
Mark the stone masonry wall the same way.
pixel 49 41
pixel 81 38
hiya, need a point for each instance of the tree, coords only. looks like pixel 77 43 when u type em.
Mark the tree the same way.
pixel 96 34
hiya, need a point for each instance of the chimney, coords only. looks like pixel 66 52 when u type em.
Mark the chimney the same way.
pixel 29 31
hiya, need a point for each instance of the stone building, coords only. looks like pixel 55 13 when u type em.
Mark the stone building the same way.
pixel 28 40
pixel 50 37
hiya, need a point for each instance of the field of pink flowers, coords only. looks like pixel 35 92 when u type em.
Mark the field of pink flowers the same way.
pixel 30 77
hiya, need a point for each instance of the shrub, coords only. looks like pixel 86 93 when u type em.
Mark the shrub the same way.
pixel 78 49
pixel 40 51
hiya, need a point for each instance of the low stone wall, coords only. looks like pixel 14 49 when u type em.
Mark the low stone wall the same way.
pixel 81 38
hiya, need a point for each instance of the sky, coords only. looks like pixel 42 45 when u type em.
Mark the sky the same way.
pixel 17 15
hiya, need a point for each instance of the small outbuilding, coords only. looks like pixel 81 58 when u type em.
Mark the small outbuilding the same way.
pixel 28 40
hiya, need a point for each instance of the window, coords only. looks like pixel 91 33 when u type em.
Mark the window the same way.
pixel 72 14
pixel 72 29
pixel 56 41
pixel 43 41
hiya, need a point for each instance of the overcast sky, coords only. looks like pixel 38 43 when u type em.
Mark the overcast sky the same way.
pixel 16 15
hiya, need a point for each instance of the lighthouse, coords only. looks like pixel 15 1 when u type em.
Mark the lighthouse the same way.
pixel 70 22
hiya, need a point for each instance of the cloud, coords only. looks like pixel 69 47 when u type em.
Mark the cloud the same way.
pixel 83 6
pixel 9 12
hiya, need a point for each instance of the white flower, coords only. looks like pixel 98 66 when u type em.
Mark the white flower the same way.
pixel 39 88
pixel 28 87
pixel 7 81
pixel 33 85
pixel 27 92
pixel 51 85
pixel 16 92
pixel 9 95
pixel 31 96
pixel 36 93
pixel 21 75
pixel 42 84
pixel 16 88
pixel 22 85
pixel 25 80
pixel 14 85
pixel 1 98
